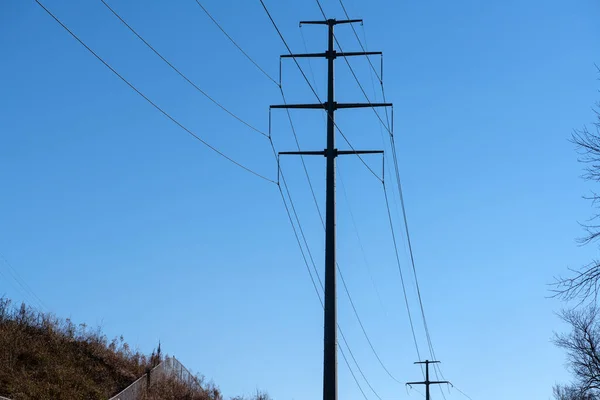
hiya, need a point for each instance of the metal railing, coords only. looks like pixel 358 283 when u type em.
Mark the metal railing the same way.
pixel 170 367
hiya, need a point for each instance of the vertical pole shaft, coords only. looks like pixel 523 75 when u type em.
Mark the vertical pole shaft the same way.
pixel 330 325
pixel 426 379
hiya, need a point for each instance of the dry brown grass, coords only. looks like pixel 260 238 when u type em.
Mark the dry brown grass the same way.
pixel 44 357
pixel 172 389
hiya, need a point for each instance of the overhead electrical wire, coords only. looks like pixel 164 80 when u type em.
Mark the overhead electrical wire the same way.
pixel 299 233
pixel 339 270
pixel 360 242
pixel 322 288
pixel 299 244
pixel 156 106
pixel 380 78
pixel 27 291
pixel 389 128
pixel 343 189
pixel 235 43
pixel 390 131
pixel 362 249
pixel 312 88
pixel 362 327
pixel 410 320
pixel 387 202
pixel 200 139
pixel 179 72
pixel 312 190
pixel 279 169
pixel 337 265
pixel 298 223
pixel 461 392
pixel 297 236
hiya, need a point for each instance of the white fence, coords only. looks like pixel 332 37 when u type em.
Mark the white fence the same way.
pixel 170 367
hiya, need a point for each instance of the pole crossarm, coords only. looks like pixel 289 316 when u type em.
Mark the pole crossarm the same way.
pixel 430 382
pixel 331 22
pixel 359 53
pixel 362 105
pixel 427 382
pixel 313 106
pixel 336 54
pixel 324 152
pixel 344 152
pixel 303 55
pixel 336 105
pixel 303 153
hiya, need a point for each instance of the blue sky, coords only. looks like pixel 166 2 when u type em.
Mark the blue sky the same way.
pixel 114 216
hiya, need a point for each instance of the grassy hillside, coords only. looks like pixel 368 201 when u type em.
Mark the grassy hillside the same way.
pixel 44 357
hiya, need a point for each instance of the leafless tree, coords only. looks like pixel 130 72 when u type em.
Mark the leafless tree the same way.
pixel 584 284
pixel 582 345
pixel 571 392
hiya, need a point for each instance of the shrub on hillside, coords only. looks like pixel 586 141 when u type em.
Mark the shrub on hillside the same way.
pixel 44 357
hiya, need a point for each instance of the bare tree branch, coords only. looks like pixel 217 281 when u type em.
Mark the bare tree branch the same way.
pixel 582 345
pixel 584 283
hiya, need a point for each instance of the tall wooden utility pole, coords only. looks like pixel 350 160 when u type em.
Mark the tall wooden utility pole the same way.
pixel 331 153
pixel 427 382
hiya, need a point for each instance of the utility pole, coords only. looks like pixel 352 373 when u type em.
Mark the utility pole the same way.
pixel 427 381
pixel 330 389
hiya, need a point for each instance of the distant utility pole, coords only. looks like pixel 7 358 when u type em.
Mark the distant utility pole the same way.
pixel 331 153
pixel 427 382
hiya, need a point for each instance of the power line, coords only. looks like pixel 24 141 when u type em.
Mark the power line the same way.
pixel 461 392
pixel 312 191
pixel 235 43
pixel 416 390
pixel 179 72
pixel 25 288
pixel 385 191
pixel 321 284
pixel 360 84
pixel 312 260
pixel 321 9
pixel 362 248
pixel 297 236
pixel 162 111
pixel 330 372
pixel 357 366
pixel 339 270
pixel 312 72
pixel 360 242
pixel 412 259
pixel 427 383
pixel 390 131
pixel 296 215
pixel 312 88
pixel 338 267
pixel 412 327
pixel 362 327
pixel 232 40
pixel 302 232
pixel 380 78
pixel 293 209
pixel 287 209
pixel 341 276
